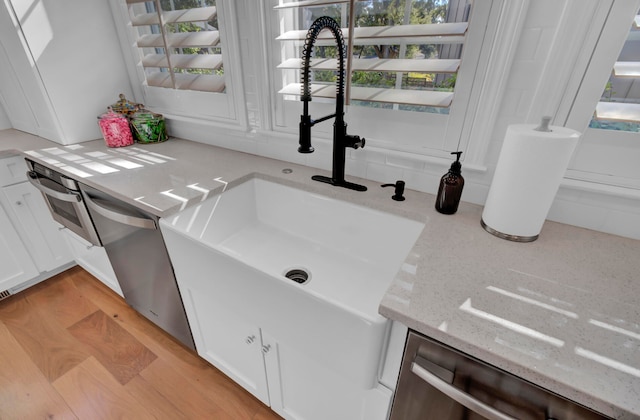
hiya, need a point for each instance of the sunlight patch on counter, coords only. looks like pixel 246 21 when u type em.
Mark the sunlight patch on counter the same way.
pixel 127 164
pixel 614 329
pixel 530 332
pixel 100 168
pixel 75 171
pixel 622 367
pixel 169 194
pixel 533 302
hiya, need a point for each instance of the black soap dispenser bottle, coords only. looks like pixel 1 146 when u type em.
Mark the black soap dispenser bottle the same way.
pixel 450 189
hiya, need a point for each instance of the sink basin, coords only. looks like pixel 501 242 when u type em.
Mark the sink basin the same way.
pixel 351 252
pixel 259 230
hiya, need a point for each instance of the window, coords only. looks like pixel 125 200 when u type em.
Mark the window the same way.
pixel 414 58
pixel 605 104
pixel 418 67
pixel 180 56
pixel 401 55
pixel 184 52
pixel 619 106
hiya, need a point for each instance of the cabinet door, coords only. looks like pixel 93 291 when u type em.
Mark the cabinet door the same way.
pixel 43 238
pixel 94 259
pixel 303 388
pixel 16 265
pixel 12 170
pixel 226 340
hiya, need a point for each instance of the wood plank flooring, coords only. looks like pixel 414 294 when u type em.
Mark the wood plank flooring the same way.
pixel 70 348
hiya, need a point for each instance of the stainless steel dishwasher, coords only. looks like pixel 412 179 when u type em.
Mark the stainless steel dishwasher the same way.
pixel 140 261
pixel 440 383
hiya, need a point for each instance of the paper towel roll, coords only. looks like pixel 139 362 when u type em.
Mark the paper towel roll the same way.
pixel 530 168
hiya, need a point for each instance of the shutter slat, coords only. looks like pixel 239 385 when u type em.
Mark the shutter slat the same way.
pixel 385 65
pixel 618 111
pixel 200 14
pixel 184 61
pixel 441 33
pixel 308 3
pixel 626 69
pixel 202 39
pixel 397 96
pixel 200 82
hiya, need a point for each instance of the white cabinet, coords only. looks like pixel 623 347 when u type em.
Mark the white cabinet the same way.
pixel 232 333
pixel 31 247
pixel 94 259
pixel 41 234
pixel 227 340
pixel 16 265
pixel 32 242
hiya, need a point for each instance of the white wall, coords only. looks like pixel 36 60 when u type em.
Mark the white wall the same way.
pixel 65 59
pixel 4 120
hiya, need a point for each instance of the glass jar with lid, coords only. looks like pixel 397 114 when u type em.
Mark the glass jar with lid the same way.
pixel 115 129
pixel 148 127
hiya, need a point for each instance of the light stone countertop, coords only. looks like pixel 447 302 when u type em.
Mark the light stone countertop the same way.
pixel 562 312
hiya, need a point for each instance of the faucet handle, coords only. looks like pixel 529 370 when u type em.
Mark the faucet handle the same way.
pixel 305 134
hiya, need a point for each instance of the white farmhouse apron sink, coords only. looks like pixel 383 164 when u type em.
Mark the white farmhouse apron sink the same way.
pixel 239 245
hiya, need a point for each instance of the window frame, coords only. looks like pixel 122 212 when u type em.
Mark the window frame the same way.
pixel 603 157
pixel 425 134
pixel 187 104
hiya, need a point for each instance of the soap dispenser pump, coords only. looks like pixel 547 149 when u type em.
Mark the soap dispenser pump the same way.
pixel 450 189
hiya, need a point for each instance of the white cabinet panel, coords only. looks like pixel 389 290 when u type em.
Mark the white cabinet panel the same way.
pixel 41 233
pixel 16 265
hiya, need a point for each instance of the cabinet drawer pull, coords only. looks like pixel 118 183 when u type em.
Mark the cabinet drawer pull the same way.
pixel 266 348
pixel 250 339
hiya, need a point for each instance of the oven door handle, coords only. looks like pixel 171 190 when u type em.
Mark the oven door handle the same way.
pixel 124 219
pixel 459 396
pixel 69 196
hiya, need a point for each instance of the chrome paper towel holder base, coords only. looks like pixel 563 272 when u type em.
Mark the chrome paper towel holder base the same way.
pixel 514 238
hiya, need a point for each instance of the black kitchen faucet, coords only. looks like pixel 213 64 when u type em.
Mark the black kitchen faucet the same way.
pixel 341 140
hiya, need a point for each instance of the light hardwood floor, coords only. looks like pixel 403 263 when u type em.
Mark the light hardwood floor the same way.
pixel 70 348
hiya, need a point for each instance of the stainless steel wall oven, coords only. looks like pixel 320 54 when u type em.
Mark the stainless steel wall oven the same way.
pixel 62 195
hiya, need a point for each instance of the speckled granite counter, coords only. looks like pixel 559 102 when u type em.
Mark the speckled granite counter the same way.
pixel 562 312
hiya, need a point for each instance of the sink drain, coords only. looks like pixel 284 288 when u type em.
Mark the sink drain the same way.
pixel 299 275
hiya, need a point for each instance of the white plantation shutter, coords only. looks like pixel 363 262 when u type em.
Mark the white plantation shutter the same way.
pixel 418 77
pixel 179 44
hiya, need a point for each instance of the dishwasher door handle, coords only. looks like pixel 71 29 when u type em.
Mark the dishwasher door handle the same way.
pixel 124 219
pixel 459 396
pixel 70 196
